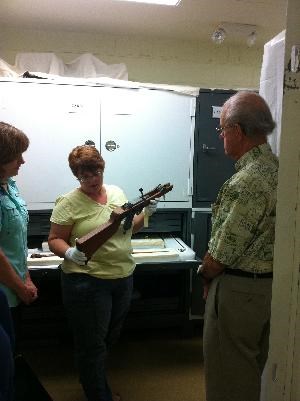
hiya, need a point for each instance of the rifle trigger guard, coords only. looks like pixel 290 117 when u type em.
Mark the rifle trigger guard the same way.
pixel 127 222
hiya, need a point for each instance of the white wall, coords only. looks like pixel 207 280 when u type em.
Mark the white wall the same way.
pixel 283 371
pixel 148 60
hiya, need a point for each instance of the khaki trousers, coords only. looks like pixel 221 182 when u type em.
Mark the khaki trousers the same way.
pixel 236 337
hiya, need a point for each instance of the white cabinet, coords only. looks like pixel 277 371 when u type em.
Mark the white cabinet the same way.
pixel 56 118
pixel 145 137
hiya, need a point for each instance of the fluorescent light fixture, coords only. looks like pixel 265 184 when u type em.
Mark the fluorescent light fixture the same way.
pixel 160 2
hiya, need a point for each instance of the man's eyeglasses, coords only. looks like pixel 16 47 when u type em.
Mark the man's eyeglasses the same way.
pixel 220 130
pixel 87 178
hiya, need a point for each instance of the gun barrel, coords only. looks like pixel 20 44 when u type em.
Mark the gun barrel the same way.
pixel 93 240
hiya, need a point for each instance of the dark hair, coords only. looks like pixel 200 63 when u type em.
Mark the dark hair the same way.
pixel 251 112
pixel 85 158
pixel 13 142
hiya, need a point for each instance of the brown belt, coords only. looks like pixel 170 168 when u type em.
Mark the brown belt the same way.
pixel 243 273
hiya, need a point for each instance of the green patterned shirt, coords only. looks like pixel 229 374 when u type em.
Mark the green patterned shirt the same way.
pixel 243 217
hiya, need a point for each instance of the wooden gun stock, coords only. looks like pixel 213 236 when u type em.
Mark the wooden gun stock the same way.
pixel 92 241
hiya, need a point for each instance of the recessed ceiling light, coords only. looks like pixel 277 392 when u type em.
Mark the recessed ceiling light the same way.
pixel 160 2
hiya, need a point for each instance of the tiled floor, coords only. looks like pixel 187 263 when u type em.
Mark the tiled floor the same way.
pixel 144 366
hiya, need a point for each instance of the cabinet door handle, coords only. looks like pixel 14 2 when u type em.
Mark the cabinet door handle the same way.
pixel 206 148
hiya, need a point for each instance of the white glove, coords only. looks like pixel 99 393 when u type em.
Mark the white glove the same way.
pixel 151 208
pixel 76 256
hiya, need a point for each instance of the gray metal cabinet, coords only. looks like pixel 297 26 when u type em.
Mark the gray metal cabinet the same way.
pixel 211 166
pixel 201 229
pixel 211 169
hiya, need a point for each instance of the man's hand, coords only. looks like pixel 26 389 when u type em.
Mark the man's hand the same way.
pixel 210 267
pixel 206 283
pixel 208 270
pixel 206 286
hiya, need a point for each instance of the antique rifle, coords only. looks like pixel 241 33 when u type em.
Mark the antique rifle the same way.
pixel 92 241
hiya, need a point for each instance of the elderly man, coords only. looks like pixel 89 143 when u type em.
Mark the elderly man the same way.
pixel 237 269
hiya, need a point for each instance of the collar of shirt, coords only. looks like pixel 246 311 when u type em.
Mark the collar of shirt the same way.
pixel 253 154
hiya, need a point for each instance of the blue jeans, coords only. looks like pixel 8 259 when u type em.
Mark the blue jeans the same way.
pixel 96 309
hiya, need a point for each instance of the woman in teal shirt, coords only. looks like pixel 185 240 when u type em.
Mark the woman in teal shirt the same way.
pixel 14 276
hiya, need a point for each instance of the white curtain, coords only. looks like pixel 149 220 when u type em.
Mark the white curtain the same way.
pixel 84 66
pixel 271 83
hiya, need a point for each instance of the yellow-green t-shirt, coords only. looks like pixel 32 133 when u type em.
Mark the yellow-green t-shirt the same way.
pixel 113 259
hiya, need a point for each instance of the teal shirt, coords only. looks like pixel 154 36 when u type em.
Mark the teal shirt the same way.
pixel 243 216
pixel 13 234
